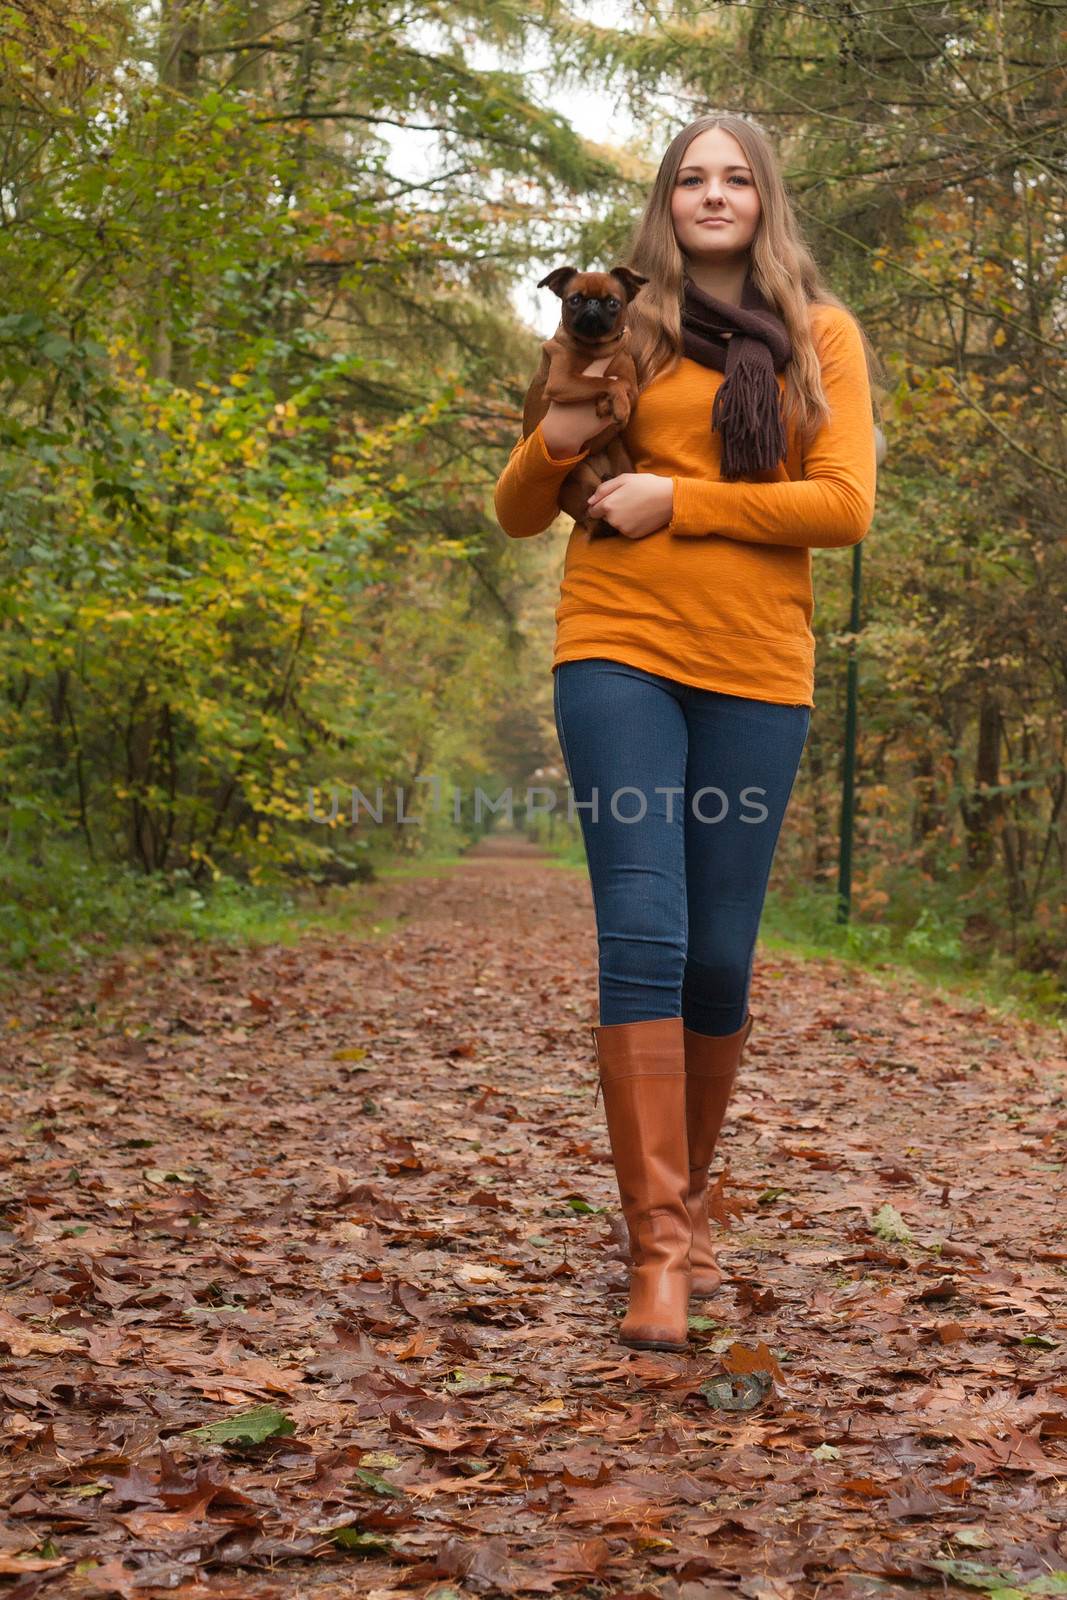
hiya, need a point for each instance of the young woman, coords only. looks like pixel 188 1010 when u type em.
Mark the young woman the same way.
pixel 684 659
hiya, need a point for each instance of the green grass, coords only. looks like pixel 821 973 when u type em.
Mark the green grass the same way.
pixel 60 910
pixel 930 950
pixel 432 865
pixel 567 855
pixel 67 911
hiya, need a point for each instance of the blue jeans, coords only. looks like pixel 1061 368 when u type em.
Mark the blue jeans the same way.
pixel 681 793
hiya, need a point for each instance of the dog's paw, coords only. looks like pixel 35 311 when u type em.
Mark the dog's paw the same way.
pixel 620 406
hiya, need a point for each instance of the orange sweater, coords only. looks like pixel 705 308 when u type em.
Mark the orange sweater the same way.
pixel 721 595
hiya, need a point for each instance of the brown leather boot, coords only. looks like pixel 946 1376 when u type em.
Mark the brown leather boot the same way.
pixel 642 1073
pixel 711 1065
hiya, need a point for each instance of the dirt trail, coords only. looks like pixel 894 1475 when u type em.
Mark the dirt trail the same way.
pixel 358 1183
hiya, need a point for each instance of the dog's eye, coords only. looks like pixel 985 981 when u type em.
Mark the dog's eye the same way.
pixel 574 299
pixel 613 303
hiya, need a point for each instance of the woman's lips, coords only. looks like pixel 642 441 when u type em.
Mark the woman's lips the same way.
pixel 714 222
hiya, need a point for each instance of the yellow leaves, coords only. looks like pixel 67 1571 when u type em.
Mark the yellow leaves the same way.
pixel 269 557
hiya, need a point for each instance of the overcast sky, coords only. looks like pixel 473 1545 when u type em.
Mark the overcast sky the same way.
pixel 592 113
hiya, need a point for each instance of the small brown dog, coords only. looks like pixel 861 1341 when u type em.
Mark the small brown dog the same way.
pixel 592 326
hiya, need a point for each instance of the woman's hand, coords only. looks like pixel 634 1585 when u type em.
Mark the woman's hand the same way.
pixel 565 428
pixel 636 503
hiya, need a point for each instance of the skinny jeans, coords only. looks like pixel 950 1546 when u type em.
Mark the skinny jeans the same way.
pixel 680 793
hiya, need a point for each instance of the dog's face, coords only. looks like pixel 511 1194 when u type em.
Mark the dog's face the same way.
pixel 594 303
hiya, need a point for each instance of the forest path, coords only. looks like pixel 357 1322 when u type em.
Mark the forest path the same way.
pixel 350 1182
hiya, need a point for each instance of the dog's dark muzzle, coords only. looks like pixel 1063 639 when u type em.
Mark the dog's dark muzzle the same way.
pixel 594 319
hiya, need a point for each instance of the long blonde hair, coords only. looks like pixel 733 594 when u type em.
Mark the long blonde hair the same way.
pixel 783 268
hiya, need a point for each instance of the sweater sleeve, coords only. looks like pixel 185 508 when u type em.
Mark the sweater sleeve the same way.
pixel 833 504
pixel 525 498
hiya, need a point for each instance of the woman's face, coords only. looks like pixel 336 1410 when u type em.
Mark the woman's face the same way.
pixel 714 181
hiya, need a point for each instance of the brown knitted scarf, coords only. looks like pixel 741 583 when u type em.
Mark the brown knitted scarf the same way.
pixel 749 343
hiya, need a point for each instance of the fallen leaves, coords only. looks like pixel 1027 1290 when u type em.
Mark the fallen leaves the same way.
pixel 23 1340
pixel 479 1272
pixel 339 1287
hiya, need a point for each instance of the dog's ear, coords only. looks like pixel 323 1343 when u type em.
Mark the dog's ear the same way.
pixel 558 279
pixel 630 280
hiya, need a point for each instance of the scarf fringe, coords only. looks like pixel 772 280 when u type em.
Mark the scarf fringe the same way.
pixel 748 416
pixel 747 413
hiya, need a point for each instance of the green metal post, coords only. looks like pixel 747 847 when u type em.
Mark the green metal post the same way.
pixel 848 774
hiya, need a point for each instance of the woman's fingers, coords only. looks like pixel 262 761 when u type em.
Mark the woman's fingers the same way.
pixel 602 491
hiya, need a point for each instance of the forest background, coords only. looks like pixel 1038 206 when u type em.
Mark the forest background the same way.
pixel 258 380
